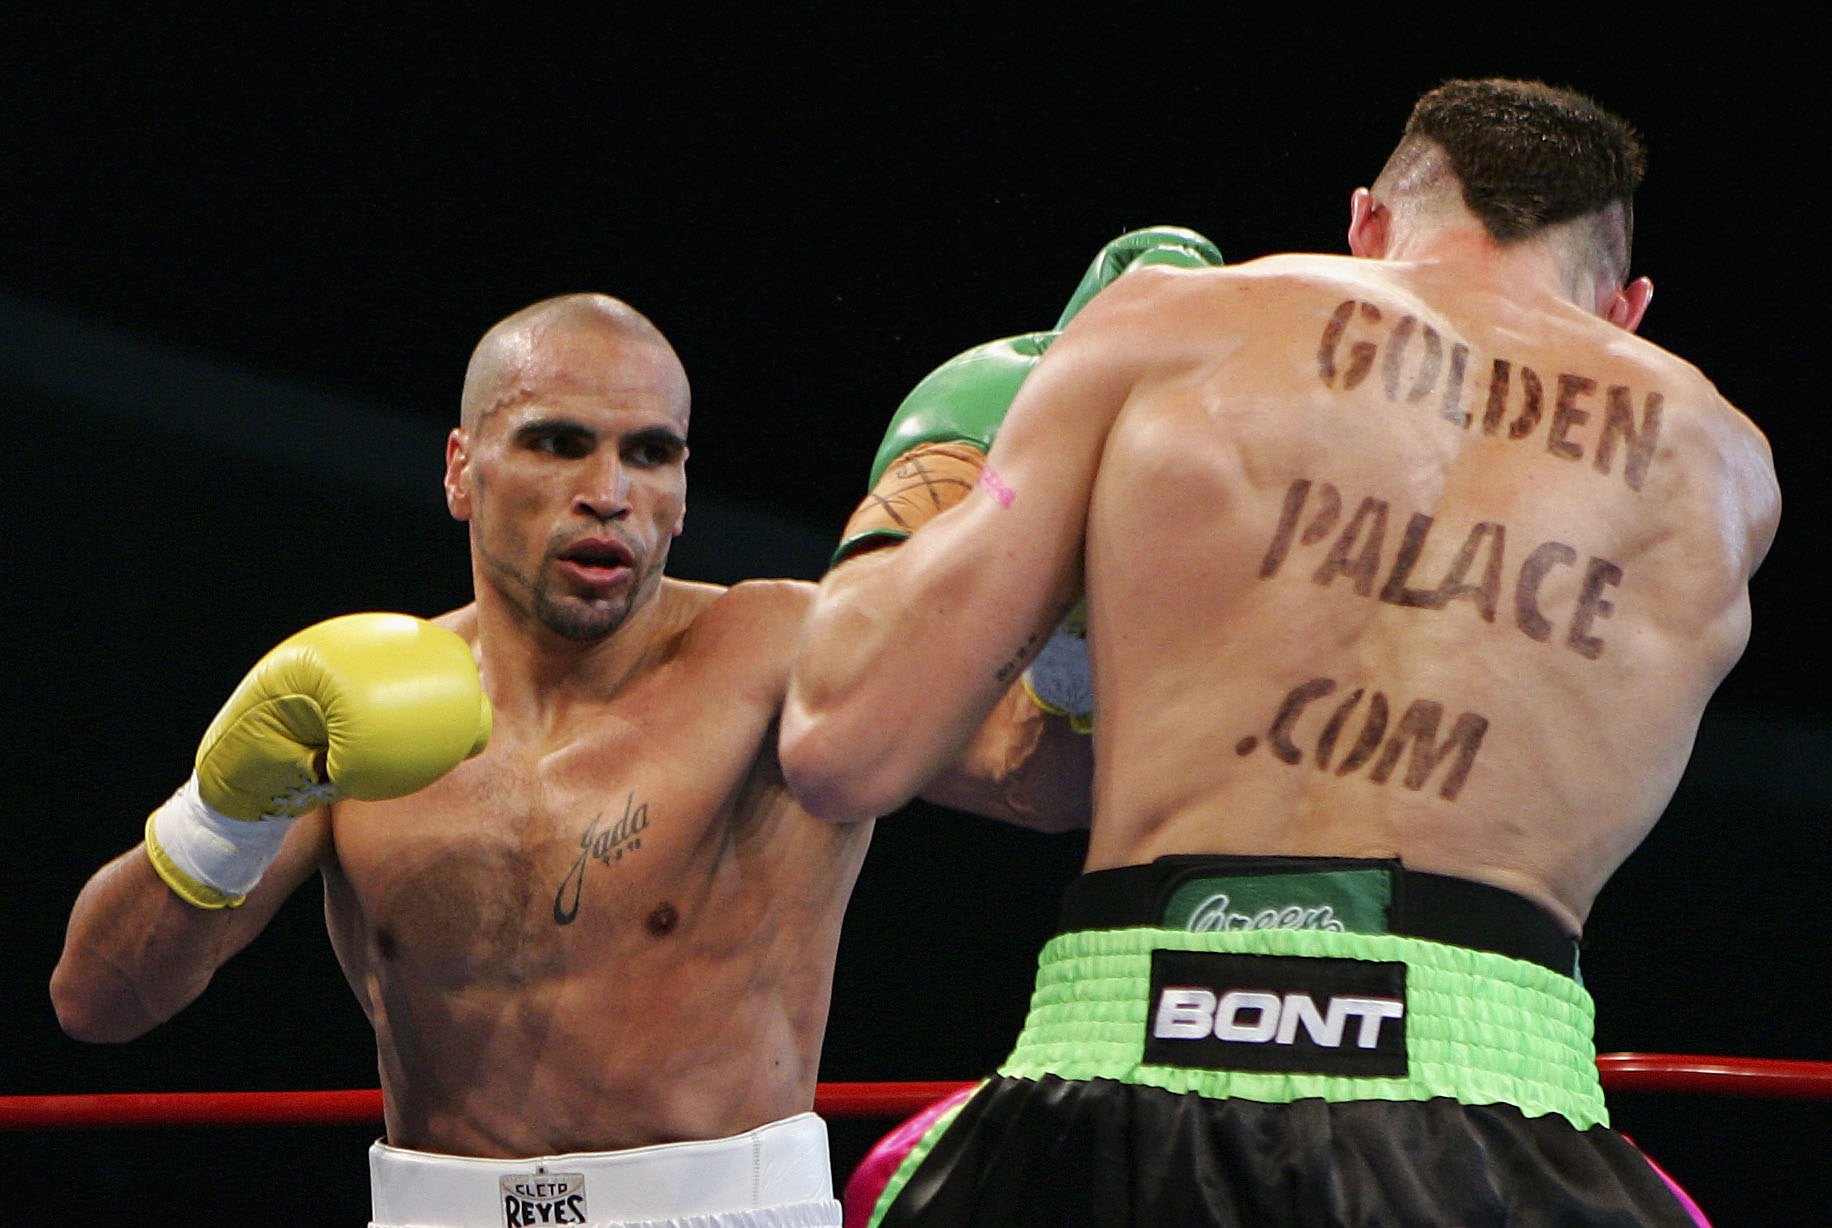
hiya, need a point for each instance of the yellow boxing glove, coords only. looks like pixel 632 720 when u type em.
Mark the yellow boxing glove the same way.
pixel 1059 680
pixel 367 706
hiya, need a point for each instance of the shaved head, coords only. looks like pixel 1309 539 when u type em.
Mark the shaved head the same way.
pixel 511 348
pixel 569 462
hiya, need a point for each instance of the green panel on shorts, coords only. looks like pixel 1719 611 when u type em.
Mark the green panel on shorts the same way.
pixel 1480 1028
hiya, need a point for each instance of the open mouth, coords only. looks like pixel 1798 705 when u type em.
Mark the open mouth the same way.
pixel 598 560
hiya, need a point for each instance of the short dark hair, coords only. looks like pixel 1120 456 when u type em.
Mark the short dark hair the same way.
pixel 1528 155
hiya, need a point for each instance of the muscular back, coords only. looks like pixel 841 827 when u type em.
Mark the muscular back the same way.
pixel 614 927
pixel 1386 566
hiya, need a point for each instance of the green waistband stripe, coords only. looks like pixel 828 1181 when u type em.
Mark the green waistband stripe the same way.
pixel 913 1159
pixel 1480 1028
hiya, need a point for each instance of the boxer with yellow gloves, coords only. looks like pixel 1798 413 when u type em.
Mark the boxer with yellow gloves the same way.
pixel 369 706
pixel 934 451
pixel 597 953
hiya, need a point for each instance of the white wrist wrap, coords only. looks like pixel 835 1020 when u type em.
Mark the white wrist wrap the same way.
pixel 1059 680
pixel 209 849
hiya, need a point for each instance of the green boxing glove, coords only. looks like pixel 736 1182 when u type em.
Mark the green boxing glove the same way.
pixel 1172 245
pixel 937 442
pixel 367 706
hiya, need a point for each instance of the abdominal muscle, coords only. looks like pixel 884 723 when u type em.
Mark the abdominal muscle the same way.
pixel 687 1004
pixel 589 1061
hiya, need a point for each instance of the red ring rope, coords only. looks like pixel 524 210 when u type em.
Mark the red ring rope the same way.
pixel 1763 1078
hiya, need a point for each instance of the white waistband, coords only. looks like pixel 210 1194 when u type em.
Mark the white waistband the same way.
pixel 782 1166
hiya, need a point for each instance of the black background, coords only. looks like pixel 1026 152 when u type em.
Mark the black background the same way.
pixel 816 204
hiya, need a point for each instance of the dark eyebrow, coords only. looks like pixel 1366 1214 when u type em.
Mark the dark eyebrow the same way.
pixel 659 434
pixel 551 426
pixel 541 428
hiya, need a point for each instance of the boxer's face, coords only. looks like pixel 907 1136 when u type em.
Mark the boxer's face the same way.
pixel 574 481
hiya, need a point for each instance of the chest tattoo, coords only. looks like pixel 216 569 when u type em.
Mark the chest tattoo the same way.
pixel 604 843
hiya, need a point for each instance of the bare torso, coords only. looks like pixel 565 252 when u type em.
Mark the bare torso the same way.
pixel 613 929
pixel 1390 567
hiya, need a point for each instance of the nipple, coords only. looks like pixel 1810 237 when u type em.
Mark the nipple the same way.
pixel 663 919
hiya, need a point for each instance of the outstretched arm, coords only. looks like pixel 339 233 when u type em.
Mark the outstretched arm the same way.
pixel 135 954
pixel 366 706
pixel 1029 761
pixel 907 651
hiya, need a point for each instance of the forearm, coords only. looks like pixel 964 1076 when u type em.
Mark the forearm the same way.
pixel 134 953
pixel 878 702
pixel 370 705
pixel 1025 766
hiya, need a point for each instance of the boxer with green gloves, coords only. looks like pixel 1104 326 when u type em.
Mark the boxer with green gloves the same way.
pixel 934 450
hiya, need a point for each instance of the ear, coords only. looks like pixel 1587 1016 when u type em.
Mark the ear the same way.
pixel 1368 222
pixel 1627 305
pixel 457 465
pixel 680 522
